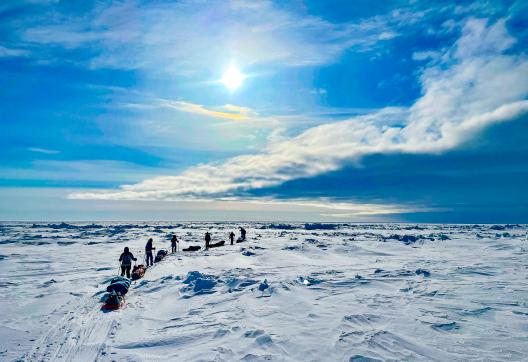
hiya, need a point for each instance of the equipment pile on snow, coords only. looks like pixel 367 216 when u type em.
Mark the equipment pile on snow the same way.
pixel 138 271
pixel 192 248
pixel 216 245
pixel 116 293
pixel 160 255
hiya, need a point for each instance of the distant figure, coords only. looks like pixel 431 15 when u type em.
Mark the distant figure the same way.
pixel 148 252
pixel 207 239
pixel 126 262
pixel 265 289
pixel 174 243
pixel 232 237
pixel 264 285
pixel 242 233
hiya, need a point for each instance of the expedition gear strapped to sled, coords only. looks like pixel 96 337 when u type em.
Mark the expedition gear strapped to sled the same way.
pixel 160 255
pixel 216 245
pixel 119 285
pixel 138 272
pixel 192 248
pixel 117 289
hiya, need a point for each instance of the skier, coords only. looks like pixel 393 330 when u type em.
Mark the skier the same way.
pixel 148 252
pixel 242 233
pixel 232 237
pixel 207 239
pixel 174 243
pixel 126 262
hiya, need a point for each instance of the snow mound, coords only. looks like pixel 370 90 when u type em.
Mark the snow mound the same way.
pixel 198 283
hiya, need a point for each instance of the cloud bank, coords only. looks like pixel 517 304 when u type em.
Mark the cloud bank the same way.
pixel 474 85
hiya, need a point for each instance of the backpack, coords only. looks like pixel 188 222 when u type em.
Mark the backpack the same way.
pixel 127 259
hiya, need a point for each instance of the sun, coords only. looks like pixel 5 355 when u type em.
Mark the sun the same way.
pixel 232 78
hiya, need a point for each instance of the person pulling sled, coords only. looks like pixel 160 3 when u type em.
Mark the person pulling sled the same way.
pixel 174 243
pixel 126 262
pixel 148 253
pixel 207 240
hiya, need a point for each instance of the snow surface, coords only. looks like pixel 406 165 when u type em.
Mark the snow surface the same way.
pixel 292 292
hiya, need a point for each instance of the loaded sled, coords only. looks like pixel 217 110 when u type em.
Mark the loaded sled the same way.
pixel 216 245
pixel 117 289
pixel 113 301
pixel 138 271
pixel 160 255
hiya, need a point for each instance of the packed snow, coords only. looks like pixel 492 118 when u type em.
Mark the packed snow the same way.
pixel 291 292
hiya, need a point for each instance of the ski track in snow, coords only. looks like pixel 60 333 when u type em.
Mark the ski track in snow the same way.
pixel 292 292
pixel 80 335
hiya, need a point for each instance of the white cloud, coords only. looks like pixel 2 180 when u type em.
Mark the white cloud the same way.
pixel 10 52
pixel 170 37
pixel 472 89
pixel 43 150
pixel 319 91
pixel 80 170
pixel 426 55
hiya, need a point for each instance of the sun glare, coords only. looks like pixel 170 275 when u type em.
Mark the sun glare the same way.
pixel 232 78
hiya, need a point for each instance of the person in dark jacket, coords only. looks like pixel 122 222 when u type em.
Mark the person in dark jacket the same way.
pixel 126 262
pixel 242 234
pixel 148 253
pixel 174 243
pixel 232 237
pixel 207 239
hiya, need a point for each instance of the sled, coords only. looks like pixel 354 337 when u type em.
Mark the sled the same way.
pixel 160 255
pixel 113 301
pixel 192 248
pixel 216 245
pixel 119 285
pixel 138 272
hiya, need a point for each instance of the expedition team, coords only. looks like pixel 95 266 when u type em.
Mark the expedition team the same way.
pixel 126 257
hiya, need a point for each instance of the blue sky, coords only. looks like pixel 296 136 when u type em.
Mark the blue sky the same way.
pixel 348 110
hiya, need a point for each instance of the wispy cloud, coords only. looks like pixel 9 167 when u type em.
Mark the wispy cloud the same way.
pixel 342 209
pixel 475 86
pixel 43 150
pixel 227 111
pixel 323 207
pixel 12 52
pixel 169 37
pixel 59 171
